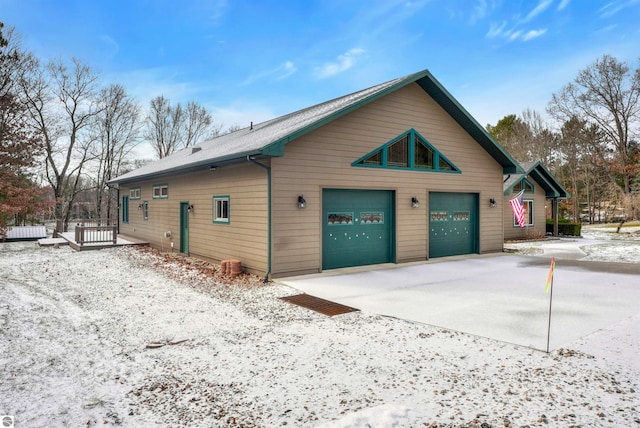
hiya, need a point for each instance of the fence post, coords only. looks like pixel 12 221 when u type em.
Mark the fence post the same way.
pixel 79 234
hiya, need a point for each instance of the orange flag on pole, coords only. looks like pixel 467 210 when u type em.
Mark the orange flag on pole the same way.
pixel 550 276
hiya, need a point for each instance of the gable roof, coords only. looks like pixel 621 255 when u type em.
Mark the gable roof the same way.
pixel 552 187
pixel 268 138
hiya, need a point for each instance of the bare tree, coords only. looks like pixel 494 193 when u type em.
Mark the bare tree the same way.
pixel 526 137
pixel 60 101
pixel 115 129
pixel 606 93
pixel 198 121
pixel 169 128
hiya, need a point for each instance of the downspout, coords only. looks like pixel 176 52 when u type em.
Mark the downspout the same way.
pixel 268 168
pixel 117 187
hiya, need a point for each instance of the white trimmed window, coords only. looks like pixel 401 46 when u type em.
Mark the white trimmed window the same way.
pixel 145 210
pixel 528 214
pixel 134 193
pixel 221 210
pixel 160 191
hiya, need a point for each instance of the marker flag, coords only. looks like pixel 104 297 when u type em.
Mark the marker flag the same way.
pixel 550 276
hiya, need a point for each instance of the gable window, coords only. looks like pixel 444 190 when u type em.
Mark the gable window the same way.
pixel 221 206
pixel 528 214
pixel 398 153
pixel 134 193
pixel 160 191
pixel 424 155
pixel 523 184
pixel 407 151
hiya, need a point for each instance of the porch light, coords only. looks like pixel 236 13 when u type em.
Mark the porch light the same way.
pixel 415 203
pixel 190 208
pixel 492 203
pixel 140 206
pixel 301 202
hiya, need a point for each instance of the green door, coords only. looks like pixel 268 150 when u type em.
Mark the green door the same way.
pixel 453 224
pixel 357 227
pixel 184 227
pixel 125 209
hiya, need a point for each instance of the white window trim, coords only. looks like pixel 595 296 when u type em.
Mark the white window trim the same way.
pixel 530 214
pixel 135 193
pixel 218 217
pixel 159 188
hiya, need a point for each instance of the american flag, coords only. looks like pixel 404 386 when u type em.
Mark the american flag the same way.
pixel 517 205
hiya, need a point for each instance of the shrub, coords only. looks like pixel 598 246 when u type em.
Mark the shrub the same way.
pixel 565 227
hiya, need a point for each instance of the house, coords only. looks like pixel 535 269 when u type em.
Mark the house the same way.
pixel 539 187
pixel 395 173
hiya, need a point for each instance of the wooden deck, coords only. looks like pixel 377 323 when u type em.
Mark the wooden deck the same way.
pixel 121 241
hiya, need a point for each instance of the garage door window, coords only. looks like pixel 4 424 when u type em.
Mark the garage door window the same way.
pixel 407 151
pixel 372 218
pixel 335 219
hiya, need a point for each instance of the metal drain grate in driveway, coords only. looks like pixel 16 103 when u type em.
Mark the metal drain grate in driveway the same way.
pixel 317 304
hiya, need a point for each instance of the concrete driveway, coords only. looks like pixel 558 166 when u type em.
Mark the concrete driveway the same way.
pixel 498 296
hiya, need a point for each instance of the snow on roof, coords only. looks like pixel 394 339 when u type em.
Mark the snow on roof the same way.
pixel 268 138
pixel 253 140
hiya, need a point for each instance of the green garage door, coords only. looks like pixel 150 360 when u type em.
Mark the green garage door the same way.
pixel 357 227
pixel 453 224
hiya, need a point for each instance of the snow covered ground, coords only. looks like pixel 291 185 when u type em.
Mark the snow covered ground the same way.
pixel 76 330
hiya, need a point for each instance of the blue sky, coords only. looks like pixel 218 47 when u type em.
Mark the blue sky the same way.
pixel 251 61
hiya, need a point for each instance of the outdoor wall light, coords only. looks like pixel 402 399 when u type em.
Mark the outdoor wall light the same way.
pixel 301 202
pixel 140 206
pixel 492 203
pixel 213 168
pixel 190 208
pixel 415 203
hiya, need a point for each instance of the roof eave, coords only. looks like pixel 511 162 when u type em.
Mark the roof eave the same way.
pixel 219 161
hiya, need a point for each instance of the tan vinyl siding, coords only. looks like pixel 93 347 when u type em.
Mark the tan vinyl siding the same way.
pixel 244 238
pixel 539 216
pixel 322 159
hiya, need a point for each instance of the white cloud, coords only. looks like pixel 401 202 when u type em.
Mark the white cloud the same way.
pixel 215 10
pixel 495 30
pixel 241 113
pixel 534 34
pixel 541 7
pixel 563 4
pixel 480 10
pixel 514 35
pixel 343 63
pixel 616 6
pixel 287 69
pixel 277 73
